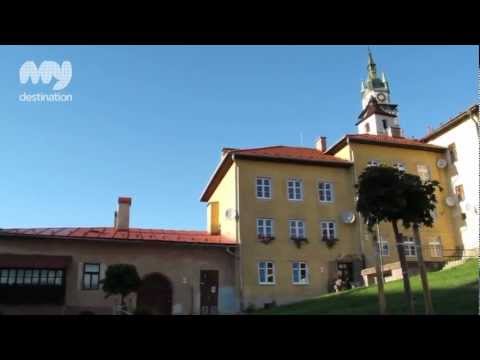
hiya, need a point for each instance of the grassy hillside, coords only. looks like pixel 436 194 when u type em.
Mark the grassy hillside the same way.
pixel 454 291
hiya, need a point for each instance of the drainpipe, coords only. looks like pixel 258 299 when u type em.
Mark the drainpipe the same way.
pixel 237 230
pixel 352 158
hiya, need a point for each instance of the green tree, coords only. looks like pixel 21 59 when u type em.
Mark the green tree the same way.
pixel 421 202
pixel 380 191
pixel 120 279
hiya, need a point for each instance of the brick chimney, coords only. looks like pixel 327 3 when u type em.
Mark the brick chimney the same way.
pixel 321 144
pixel 122 215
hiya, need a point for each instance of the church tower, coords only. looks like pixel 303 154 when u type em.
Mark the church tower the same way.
pixel 378 116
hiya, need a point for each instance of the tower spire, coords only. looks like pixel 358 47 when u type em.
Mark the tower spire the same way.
pixel 372 67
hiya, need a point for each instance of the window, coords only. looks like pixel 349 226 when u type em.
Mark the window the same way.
pixel 409 247
pixel 266 273
pixel 264 188
pixel 296 229
pixel 452 150
pixel 436 248
pixel 325 192
pixel 299 273
pixel 294 189
pixel 373 163
pixel 367 128
pixel 459 192
pixel 264 227
pixel 328 229
pixel 3 276
pixel 31 277
pixel 423 172
pixel 382 247
pixel 91 276
pixel 399 165
pixel 384 123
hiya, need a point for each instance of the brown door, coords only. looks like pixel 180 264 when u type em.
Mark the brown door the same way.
pixel 155 295
pixel 208 291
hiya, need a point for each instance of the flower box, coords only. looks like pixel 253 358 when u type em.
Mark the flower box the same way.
pixel 265 239
pixel 299 240
pixel 329 241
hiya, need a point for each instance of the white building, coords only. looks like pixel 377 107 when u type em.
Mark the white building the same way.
pixel 461 135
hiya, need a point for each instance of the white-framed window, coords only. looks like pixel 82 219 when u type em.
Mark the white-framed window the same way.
pixel 436 248
pixel 325 191
pixel 409 247
pixel 91 276
pixel 328 229
pixel 264 227
pixel 382 247
pixel 423 172
pixel 266 273
pixel 373 163
pixel 263 188
pixel 399 165
pixel 294 189
pixel 31 277
pixel 296 228
pixel 300 274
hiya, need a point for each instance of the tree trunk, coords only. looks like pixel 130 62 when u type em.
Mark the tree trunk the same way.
pixel 404 266
pixel 382 303
pixel 423 272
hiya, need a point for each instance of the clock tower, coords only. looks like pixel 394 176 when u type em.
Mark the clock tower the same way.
pixel 378 116
pixel 373 86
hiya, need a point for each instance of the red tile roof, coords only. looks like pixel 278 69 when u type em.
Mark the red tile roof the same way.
pixel 279 153
pixel 290 153
pixel 132 234
pixel 384 140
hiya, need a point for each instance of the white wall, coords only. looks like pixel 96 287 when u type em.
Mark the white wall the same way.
pixel 465 171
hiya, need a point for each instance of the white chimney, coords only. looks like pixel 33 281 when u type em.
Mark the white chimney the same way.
pixel 321 144
pixel 122 215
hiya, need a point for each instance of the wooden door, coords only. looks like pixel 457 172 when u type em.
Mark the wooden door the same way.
pixel 209 291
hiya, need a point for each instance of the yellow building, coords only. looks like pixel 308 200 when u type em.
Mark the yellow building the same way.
pixel 268 199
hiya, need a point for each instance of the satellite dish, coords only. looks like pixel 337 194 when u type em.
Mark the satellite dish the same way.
pixel 230 214
pixel 442 163
pixel 348 217
pixel 450 200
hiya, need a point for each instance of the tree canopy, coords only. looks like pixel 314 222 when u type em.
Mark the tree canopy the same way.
pixel 388 194
pixel 121 279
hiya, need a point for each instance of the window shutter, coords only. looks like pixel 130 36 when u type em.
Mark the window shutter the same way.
pixel 103 270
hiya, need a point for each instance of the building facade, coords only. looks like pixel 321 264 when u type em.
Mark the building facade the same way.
pixel 460 136
pixel 57 271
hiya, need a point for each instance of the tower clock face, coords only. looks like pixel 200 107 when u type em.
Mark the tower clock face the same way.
pixel 381 97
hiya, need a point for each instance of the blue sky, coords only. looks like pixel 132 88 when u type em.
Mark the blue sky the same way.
pixel 149 121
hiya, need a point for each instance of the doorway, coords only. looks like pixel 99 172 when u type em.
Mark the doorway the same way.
pixel 345 271
pixel 155 295
pixel 208 291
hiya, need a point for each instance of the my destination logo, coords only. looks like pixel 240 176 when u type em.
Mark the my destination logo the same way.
pixel 46 72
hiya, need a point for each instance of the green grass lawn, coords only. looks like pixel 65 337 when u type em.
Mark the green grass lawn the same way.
pixel 454 291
